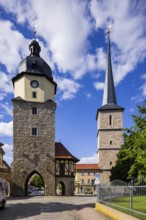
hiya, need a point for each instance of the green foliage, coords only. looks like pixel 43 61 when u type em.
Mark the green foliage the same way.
pixel 131 159
pixel 37 181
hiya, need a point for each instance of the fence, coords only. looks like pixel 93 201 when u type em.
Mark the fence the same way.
pixel 129 199
pixel 140 181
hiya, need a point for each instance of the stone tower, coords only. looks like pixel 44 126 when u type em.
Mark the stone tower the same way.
pixel 34 123
pixel 109 117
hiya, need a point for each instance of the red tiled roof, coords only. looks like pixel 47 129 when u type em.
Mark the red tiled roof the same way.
pixel 87 166
pixel 62 153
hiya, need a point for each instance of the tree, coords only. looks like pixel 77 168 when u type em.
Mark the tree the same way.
pixel 131 159
pixel 36 181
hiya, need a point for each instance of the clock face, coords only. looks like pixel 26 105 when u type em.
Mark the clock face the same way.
pixel 34 83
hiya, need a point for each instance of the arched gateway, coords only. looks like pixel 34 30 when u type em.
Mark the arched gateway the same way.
pixel 34 127
pixel 29 189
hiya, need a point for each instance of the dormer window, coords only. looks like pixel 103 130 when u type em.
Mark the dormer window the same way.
pixel 33 65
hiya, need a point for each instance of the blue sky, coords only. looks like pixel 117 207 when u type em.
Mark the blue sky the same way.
pixel 72 35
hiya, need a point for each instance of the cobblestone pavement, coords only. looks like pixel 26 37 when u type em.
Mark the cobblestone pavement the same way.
pixel 52 208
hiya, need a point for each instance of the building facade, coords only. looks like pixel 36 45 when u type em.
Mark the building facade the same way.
pixel 110 128
pixel 85 178
pixel 65 170
pixel 5 172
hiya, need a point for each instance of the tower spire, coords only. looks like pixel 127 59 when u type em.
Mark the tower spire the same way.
pixel 109 96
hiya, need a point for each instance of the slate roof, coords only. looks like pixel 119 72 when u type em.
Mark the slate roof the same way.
pixel 109 96
pixel 61 152
pixel 87 166
pixel 34 64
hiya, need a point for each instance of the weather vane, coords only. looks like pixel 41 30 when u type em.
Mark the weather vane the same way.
pixel 108 29
pixel 35 31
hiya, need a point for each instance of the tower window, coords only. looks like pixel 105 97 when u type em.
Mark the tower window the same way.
pixel 34 110
pixel 111 142
pixel 34 131
pixel 110 162
pixel 34 95
pixel 110 120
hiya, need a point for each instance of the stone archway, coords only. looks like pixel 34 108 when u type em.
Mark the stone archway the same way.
pixel 60 190
pixel 34 190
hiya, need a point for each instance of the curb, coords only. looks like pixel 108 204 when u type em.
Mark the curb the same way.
pixel 114 214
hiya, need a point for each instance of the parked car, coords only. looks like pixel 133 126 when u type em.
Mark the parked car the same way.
pixel 88 191
pixel 2 194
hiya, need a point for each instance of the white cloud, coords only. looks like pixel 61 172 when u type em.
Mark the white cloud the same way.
pixel 143 88
pixel 143 76
pixel 13 46
pixel 101 59
pixel 88 95
pixel 6 129
pixel 131 109
pixel 2 96
pixel 67 87
pixel 8 157
pixel 68 41
pixel 5 85
pixel 88 160
pixel 127 32
pixel 20 8
pixel 1 116
pixel 66 33
pixel 99 85
pixel 7 108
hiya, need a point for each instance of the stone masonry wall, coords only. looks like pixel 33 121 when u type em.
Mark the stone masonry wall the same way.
pixel 109 140
pixel 104 177
pixel 107 158
pixel 69 184
pixel 103 119
pixel 33 153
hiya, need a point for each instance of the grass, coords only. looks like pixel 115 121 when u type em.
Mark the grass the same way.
pixel 138 204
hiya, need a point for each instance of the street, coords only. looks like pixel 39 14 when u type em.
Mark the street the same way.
pixel 52 208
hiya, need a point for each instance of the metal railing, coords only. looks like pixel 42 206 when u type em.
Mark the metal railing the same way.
pixel 129 199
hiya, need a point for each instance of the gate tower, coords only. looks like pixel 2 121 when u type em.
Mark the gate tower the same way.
pixel 34 123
